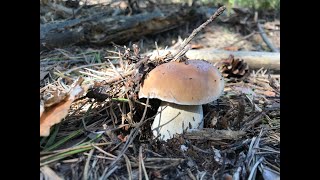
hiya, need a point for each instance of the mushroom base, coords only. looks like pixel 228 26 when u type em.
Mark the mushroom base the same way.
pixel 175 119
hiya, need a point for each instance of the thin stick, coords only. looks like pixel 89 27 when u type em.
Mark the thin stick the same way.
pixel 142 164
pixel 86 167
pixel 223 166
pixel 162 167
pixel 120 60
pixel 142 103
pixel 196 31
pixel 84 66
pixel 266 39
pixel 115 70
pixel 253 170
pixel 131 137
pixel 110 172
pixel 104 152
pixel 154 153
pixel 96 72
pixel 129 168
pixel 100 157
pixel 198 149
pixel 277 170
pixel 270 150
pixel 145 110
pixel 117 78
pixel 65 53
pixel 71 160
pixel 93 75
pixel 164 159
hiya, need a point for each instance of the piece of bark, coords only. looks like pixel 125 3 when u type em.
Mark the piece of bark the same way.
pixel 102 29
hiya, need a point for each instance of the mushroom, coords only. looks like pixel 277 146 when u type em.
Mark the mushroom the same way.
pixel 182 88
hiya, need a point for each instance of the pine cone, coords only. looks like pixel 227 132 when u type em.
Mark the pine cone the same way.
pixel 232 67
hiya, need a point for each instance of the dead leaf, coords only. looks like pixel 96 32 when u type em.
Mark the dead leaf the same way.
pixel 54 114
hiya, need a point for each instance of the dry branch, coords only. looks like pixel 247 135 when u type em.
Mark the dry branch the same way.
pixel 266 39
pixel 102 29
pixel 255 60
pixel 196 31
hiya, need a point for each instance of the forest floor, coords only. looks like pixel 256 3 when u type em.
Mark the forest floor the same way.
pixel 104 133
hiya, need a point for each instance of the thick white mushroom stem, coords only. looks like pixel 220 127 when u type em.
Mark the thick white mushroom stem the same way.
pixel 175 119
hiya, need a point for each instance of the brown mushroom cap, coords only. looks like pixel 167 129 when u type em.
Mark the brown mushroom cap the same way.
pixel 195 83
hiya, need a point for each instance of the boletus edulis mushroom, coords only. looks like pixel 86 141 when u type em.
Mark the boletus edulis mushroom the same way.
pixel 182 88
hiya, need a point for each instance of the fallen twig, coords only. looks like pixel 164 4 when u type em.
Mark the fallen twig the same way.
pixel 131 137
pixel 84 66
pixel 129 168
pixel 181 51
pixel 118 78
pixel 142 164
pixel 86 167
pixel 255 60
pixel 253 170
pixel 104 152
pixel 266 39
